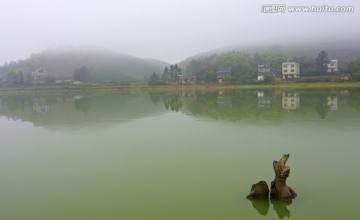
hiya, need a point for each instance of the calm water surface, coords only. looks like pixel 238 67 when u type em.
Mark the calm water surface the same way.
pixel 181 155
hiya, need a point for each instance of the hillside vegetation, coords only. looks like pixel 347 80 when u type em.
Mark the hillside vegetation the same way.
pixel 343 50
pixel 103 66
pixel 243 61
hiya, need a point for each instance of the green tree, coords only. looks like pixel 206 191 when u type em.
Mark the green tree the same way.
pixel 178 72
pixel 81 74
pixel 166 75
pixel 322 62
pixel 14 77
pixel 269 79
pixel 154 79
pixel 308 66
pixel 194 67
pixel 355 67
pixel 174 72
pixel 171 74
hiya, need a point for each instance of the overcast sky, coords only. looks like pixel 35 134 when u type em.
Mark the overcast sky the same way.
pixel 169 30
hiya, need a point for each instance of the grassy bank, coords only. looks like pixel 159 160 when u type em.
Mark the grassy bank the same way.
pixel 99 88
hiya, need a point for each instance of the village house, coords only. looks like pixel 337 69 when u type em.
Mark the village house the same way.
pixel 39 76
pixel 187 80
pixel 345 77
pixel 222 73
pixel 290 70
pixel 264 70
pixel 332 66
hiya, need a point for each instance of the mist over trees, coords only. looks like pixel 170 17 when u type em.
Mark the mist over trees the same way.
pixel 103 66
pixel 243 66
pixel 154 79
pixel 81 74
pixel 169 76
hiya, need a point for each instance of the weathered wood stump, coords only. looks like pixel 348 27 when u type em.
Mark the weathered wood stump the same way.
pixel 259 190
pixel 279 189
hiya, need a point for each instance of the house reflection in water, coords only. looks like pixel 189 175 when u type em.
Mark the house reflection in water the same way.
pixel 223 100
pixel 263 103
pixel 290 101
pixel 332 102
pixel 40 106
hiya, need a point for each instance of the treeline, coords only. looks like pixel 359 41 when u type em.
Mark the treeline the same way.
pixel 245 66
pixel 102 66
pixel 170 75
pixel 355 68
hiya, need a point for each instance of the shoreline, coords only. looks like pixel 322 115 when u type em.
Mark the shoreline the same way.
pixel 147 88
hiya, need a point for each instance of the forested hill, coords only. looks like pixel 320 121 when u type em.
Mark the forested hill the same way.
pixel 103 66
pixel 343 50
pixel 241 63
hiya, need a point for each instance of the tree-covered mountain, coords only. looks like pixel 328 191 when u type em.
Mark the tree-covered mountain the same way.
pixel 344 50
pixel 103 66
pixel 242 61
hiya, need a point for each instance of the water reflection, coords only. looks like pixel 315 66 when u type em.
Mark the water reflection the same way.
pixel 281 208
pixel 332 103
pixel 231 105
pixel 40 105
pixel 78 111
pixel 266 104
pixel 82 104
pixel 290 101
pixel 262 206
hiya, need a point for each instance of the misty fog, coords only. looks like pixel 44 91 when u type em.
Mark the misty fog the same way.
pixel 169 30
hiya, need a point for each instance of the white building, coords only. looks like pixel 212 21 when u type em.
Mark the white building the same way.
pixel 290 70
pixel 38 73
pixel 39 76
pixel 333 66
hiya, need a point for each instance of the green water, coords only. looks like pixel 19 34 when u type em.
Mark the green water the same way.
pixel 181 155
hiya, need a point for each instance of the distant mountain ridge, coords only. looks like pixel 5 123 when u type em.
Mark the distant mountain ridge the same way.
pixel 343 50
pixel 104 66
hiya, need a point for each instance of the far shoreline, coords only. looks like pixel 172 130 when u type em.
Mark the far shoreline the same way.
pixel 107 88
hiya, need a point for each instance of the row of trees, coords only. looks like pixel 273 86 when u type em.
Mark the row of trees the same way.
pixel 244 66
pixel 81 74
pixel 169 76
pixel 16 77
pixel 355 68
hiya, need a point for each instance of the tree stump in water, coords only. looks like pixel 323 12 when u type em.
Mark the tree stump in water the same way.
pixel 279 189
pixel 259 190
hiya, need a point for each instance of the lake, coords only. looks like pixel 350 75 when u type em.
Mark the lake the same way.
pixel 178 155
